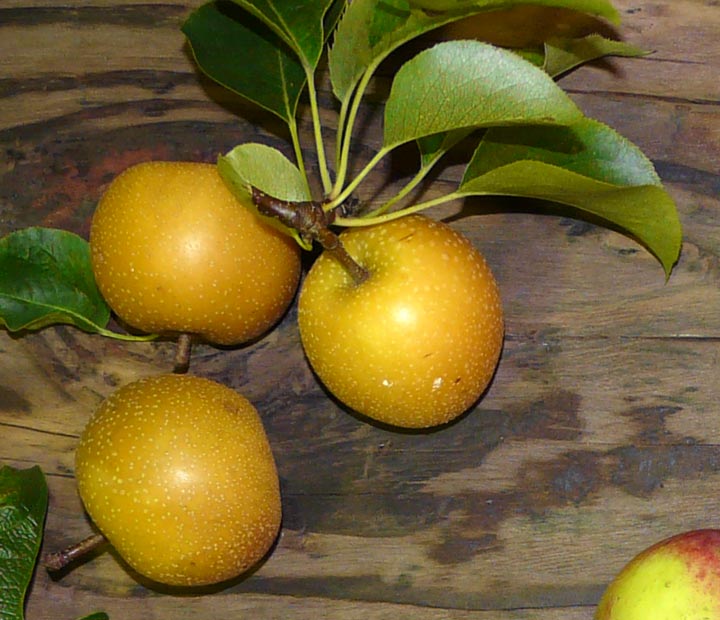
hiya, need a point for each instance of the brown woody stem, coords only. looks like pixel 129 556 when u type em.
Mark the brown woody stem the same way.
pixel 311 221
pixel 63 558
pixel 331 243
pixel 182 353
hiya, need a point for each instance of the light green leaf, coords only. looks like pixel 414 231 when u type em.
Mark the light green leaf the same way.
pixel 258 165
pixel 645 212
pixel 601 8
pixel 370 30
pixel 587 147
pixel 23 504
pixel 243 55
pixel 261 166
pixel 559 56
pixel 461 84
pixel 562 55
pixel 300 24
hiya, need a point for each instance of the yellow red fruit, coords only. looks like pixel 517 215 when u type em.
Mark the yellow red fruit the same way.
pixel 675 579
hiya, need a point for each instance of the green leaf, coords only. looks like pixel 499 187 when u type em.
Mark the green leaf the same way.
pixel 23 504
pixel 45 278
pixel 332 17
pixel 99 615
pixel 370 30
pixel 460 84
pixel 587 147
pixel 435 146
pixel 601 8
pixel 242 54
pixel 535 56
pixel 562 55
pixel 300 24
pixel 257 165
pixel 646 212
pixel 559 56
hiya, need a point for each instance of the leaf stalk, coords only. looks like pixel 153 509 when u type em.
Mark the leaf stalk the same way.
pixel 345 131
pixel 387 217
pixel 317 130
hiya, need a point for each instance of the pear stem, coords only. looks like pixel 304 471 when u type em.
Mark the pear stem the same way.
pixel 331 243
pixel 312 222
pixel 182 353
pixel 63 558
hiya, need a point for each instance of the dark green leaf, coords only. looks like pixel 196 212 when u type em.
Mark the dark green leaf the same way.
pixel 242 54
pixel 300 24
pixel 368 31
pixel 46 277
pixel 333 15
pixel 562 55
pixel 100 615
pixel 435 146
pixel 372 29
pixel 23 504
pixel 587 147
pixel 646 212
pixel 257 165
pixel 461 84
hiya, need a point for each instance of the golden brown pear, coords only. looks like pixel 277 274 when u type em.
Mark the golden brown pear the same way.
pixel 416 343
pixel 174 251
pixel 177 473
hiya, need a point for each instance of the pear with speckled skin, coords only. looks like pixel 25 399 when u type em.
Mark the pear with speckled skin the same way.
pixel 173 251
pixel 417 342
pixel 177 473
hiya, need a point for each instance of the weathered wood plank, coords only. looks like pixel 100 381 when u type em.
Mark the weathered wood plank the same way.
pixel 598 436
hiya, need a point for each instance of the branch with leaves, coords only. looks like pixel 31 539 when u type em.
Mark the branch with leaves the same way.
pixel 531 139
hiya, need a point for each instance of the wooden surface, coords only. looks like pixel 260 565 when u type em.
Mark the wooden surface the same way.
pixel 599 435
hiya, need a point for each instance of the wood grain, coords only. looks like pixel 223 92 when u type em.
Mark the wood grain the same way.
pixel 599 435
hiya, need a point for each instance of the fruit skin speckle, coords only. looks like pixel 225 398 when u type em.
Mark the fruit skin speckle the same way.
pixel 174 251
pixel 178 474
pixel 417 343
